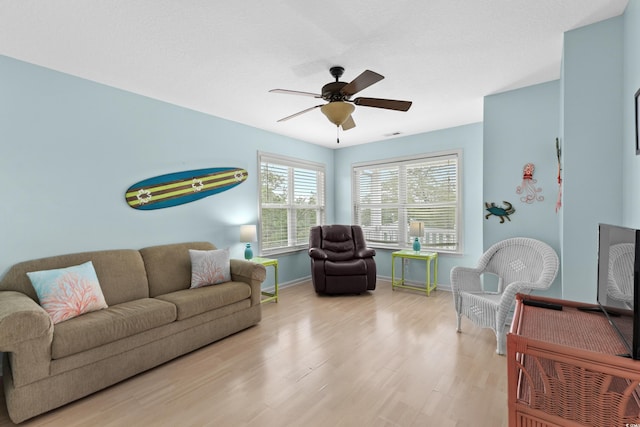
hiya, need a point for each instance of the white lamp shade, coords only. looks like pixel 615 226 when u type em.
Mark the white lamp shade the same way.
pixel 248 233
pixel 416 228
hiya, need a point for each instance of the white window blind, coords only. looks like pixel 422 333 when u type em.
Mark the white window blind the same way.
pixel 388 196
pixel 292 200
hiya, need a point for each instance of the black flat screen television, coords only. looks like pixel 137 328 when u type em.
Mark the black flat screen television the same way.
pixel 618 281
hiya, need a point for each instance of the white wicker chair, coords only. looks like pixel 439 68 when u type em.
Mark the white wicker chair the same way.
pixel 521 264
pixel 620 276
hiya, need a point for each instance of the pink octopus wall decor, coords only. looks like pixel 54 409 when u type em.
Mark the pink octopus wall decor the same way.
pixel 528 188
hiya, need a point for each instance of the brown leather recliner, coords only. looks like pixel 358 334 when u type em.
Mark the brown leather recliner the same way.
pixel 341 263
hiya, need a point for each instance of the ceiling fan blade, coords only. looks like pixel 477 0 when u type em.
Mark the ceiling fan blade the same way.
pixel 296 92
pixel 389 104
pixel 363 81
pixel 349 124
pixel 299 113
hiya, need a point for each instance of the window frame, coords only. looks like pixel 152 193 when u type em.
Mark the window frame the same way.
pixel 291 163
pixel 402 228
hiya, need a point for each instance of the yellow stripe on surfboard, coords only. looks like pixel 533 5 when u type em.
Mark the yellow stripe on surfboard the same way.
pixel 171 194
pixel 185 182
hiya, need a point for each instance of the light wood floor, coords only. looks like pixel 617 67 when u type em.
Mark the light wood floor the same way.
pixel 387 358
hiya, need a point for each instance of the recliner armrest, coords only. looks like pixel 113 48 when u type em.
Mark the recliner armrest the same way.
pixel 317 253
pixel 366 253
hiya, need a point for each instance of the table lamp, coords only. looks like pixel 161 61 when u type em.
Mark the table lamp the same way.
pixel 416 228
pixel 248 234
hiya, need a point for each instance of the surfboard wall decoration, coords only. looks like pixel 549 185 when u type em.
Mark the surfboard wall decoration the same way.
pixel 178 188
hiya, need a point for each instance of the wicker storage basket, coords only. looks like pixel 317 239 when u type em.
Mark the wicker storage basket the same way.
pixel 564 369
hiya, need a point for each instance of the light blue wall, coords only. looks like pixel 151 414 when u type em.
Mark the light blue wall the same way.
pixel 631 162
pixel 467 138
pixel 592 149
pixel 520 127
pixel 75 146
pixel 71 147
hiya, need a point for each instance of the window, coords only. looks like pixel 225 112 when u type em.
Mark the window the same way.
pixel 292 200
pixel 389 195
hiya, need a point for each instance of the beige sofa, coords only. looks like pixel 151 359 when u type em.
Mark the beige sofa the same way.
pixel 152 317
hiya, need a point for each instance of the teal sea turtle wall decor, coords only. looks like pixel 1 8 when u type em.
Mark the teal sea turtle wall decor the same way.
pixel 499 211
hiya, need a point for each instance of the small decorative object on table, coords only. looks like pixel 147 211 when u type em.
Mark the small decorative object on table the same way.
pixel 416 228
pixel 248 234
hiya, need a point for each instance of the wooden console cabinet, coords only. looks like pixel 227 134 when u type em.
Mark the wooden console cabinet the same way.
pixel 564 369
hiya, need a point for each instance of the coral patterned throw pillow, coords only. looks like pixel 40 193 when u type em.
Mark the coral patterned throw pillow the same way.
pixel 209 267
pixel 68 292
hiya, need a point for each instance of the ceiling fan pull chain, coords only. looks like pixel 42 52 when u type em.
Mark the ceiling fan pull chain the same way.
pixel 338 134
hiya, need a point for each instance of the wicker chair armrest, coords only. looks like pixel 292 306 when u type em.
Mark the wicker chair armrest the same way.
pixel 466 279
pixel 509 295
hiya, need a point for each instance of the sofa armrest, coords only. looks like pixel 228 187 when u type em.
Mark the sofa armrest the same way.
pixel 22 319
pixel 26 333
pixel 250 273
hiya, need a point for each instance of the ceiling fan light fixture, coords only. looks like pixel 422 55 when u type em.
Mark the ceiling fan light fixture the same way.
pixel 337 111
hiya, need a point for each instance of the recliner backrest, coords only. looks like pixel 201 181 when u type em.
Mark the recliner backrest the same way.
pixel 337 242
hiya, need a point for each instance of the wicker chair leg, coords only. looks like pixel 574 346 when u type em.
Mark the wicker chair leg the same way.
pixel 459 323
pixel 501 346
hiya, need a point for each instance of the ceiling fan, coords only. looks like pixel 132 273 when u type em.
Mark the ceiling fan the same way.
pixel 338 94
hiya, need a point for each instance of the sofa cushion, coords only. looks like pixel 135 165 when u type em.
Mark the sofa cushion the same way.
pixel 111 324
pixel 209 267
pixel 121 273
pixel 169 266
pixel 191 302
pixel 65 293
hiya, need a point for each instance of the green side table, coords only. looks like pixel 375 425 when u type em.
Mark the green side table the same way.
pixel 429 257
pixel 273 263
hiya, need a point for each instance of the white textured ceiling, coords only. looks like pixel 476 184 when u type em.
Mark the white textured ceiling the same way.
pixel 222 57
